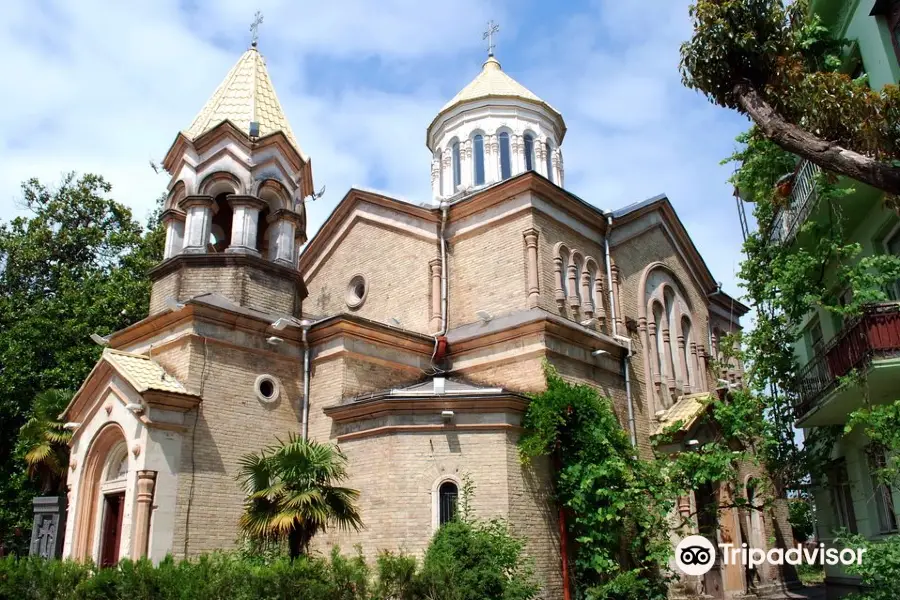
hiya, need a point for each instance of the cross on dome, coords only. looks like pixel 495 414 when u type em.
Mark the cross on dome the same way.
pixel 489 36
pixel 254 28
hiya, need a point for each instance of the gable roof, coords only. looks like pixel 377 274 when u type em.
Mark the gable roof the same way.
pixel 661 203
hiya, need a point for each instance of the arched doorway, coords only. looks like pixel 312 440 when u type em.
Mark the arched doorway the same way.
pixel 102 498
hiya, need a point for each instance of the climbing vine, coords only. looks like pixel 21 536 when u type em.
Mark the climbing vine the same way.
pixel 619 506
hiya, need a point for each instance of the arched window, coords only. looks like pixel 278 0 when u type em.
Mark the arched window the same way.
pixel 669 297
pixel 658 318
pixel 478 151
pixel 548 154
pixel 448 494
pixel 579 267
pixel 505 164
pixel 686 355
pixel 529 152
pixel 457 167
pixel 220 231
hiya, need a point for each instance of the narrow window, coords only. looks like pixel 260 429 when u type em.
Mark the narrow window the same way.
pixel 457 168
pixel 841 497
pixel 686 357
pixel 884 501
pixel 529 152
pixel 505 165
pixel 447 496
pixel 478 149
pixel 548 153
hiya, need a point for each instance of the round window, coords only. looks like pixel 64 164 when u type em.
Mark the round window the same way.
pixel 356 291
pixel 267 388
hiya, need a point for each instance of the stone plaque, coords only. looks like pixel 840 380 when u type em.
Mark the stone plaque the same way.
pixel 49 526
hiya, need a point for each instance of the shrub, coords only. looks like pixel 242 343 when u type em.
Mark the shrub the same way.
pixel 880 568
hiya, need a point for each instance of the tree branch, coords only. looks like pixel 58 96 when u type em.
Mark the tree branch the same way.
pixel 828 155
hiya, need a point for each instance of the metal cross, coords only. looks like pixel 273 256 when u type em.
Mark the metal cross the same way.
pixel 489 35
pixel 254 28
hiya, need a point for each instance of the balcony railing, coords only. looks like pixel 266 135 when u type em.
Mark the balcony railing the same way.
pixel 874 334
pixel 803 198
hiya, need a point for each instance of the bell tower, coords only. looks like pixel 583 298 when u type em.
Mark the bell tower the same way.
pixel 234 216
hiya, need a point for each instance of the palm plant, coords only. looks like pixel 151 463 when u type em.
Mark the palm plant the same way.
pixel 292 493
pixel 44 443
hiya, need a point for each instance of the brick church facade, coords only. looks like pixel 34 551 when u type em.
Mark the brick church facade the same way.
pixel 410 334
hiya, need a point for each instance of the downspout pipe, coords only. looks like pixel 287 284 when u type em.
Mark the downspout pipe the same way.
pixel 626 360
pixel 304 327
pixel 445 206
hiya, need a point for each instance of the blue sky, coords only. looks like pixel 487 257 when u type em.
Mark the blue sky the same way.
pixel 103 87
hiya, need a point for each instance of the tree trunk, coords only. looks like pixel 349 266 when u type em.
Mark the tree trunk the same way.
pixel 828 155
pixel 295 543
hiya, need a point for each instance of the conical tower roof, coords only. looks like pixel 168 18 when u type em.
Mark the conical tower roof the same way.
pixel 245 95
pixel 493 82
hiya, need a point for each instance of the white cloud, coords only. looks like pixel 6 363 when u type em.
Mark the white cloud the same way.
pixel 104 87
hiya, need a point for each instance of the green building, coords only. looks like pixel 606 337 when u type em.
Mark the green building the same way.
pixel 848 496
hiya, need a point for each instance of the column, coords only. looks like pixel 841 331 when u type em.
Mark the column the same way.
pixel 283 224
pixel 436 177
pixel 655 375
pixel 447 172
pixel 558 281
pixel 531 266
pixel 620 318
pixel 573 281
pixel 435 270
pixel 492 164
pixel 516 155
pixel 587 307
pixel 539 158
pixel 681 381
pixel 199 211
pixel 557 167
pixel 599 311
pixel 697 380
pixel 244 224
pixel 667 352
pixel 465 164
pixel 146 482
pixel 174 223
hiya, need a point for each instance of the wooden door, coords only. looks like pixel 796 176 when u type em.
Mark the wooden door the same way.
pixel 111 534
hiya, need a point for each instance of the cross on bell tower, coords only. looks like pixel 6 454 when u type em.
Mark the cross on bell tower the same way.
pixel 254 28
pixel 489 36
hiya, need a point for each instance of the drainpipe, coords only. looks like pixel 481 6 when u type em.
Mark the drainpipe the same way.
pixel 612 300
pixel 304 326
pixel 626 360
pixel 440 340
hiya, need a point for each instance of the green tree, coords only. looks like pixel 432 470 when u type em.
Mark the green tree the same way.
pixel 292 493
pixel 44 443
pixel 775 63
pixel 73 265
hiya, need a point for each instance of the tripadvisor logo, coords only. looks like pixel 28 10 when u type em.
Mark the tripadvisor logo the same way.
pixel 696 555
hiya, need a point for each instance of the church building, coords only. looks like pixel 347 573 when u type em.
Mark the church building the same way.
pixel 409 333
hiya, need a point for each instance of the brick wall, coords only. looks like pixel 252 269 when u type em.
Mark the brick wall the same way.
pixel 232 422
pixel 395 266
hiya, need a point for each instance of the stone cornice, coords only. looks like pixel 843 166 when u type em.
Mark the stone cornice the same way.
pixel 222 259
pixel 385 406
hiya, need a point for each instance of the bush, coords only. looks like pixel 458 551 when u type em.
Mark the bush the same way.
pixel 880 568
pixel 464 561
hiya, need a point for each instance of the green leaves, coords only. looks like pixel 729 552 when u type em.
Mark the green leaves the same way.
pixel 292 492
pixel 75 265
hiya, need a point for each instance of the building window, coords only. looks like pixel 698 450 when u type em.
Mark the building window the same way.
pixel 841 496
pixel 505 164
pixel 686 351
pixel 478 151
pixel 357 290
pixel 884 501
pixel 529 152
pixel 448 494
pixel 892 245
pixel 548 154
pixel 457 168
pixel 890 10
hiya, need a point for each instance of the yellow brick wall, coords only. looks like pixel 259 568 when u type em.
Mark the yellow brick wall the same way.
pixel 231 423
pixel 552 233
pixel 395 266
pixel 487 271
